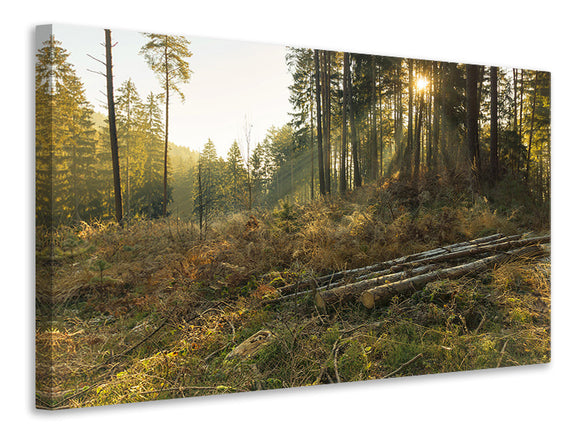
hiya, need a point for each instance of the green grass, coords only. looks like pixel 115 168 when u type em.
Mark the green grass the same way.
pixel 150 312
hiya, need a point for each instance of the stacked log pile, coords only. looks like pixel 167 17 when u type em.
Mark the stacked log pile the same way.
pixel 377 284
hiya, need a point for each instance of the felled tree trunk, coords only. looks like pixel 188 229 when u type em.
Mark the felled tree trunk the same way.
pixel 336 276
pixel 352 291
pixel 384 293
pixel 492 247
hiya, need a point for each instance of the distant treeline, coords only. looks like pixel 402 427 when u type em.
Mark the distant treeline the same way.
pixel 355 119
pixel 362 116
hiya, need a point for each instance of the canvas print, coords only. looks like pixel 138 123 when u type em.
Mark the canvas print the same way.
pixel 217 216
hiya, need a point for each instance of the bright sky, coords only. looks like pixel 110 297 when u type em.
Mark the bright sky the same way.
pixel 231 81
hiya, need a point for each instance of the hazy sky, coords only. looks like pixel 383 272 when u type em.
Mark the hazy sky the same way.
pixel 230 81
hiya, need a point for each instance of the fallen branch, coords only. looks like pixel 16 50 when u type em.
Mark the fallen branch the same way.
pixel 334 359
pixel 411 361
pixel 182 389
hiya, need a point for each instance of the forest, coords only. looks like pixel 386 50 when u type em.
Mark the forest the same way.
pixel 353 242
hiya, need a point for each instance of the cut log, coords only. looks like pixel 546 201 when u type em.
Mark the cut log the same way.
pixel 384 293
pixel 340 275
pixel 251 345
pixel 401 267
pixel 349 292
pixel 456 246
pixel 486 248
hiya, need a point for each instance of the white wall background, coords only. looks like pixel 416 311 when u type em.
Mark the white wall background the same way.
pixel 531 34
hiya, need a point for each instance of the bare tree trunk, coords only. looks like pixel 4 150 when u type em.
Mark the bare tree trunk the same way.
pixel 417 150
pixel 521 112
pixel 381 144
pixel 399 112
pixel 373 145
pixel 166 131
pixel 408 150
pixel 127 160
pixel 311 144
pixel 319 123
pixel 493 127
pixel 113 128
pixel 429 156
pixel 515 165
pixel 515 74
pixel 357 179
pixel 342 186
pixel 437 116
pixel 531 127
pixel 472 122
pixel 327 116
pixel 201 204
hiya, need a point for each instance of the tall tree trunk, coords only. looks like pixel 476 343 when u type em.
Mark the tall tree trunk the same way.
pixel 127 161
pixel 408 150
pixel 430 120
pixel 373 136
pixel 200 209
pixel 436 115
pixel 515 165
pixel 311 144
pixel 327 115
pixel 515 74
pixel 472 122
pixel 357 179
pixel 292 170
pixel 531 127
pixel 493 127
pixel 113 128
pixel 342 186
pixel 541 176
pixel 399 112
pixel 521 112
pixel 166 131
pixel 319 123
pixel 417 149
pixel 521 120
pixel 381 144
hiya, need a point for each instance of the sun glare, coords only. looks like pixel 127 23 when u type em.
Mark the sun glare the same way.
pixel 422 83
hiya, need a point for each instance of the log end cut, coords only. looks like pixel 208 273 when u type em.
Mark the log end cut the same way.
pixel 368 299
pixel 319 301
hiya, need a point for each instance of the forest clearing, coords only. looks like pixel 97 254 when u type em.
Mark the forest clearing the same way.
pixel 376 217
pixel 151 312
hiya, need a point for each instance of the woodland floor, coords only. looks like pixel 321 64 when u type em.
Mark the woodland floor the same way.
pixel 151 312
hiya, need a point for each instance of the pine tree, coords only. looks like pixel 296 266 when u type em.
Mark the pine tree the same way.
pixel 65 139
pixel 235 176
pixel 128 104
pixel 166 56
pixel 152 125
pixel 208 189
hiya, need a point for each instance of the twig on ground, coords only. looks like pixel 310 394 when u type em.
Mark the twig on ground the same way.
pixel 335 348
pixel 181 389
pixel 502 352
pixel 412 360
pixel 480 323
